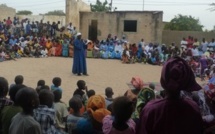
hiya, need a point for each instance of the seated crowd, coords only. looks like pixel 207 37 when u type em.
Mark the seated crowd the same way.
pixel 183 107
pixel 22 38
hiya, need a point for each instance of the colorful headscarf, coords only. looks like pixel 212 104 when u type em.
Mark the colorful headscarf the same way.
pixel 96 106
pixel 137 82
pixel 144 96
pixel 177 75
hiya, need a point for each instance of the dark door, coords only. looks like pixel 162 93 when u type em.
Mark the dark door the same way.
pixel 92 35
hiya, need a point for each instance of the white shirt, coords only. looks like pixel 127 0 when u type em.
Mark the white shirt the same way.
pixel 70 28
pixel 147 48
pixel 183 42
pixel 118 48
pixel 195 52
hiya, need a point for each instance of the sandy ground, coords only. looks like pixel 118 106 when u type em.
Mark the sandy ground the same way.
pixel 102 73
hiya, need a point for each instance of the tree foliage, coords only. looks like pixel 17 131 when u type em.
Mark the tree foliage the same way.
pixel 184 23
pixel 24 12
pixel 56 12
pixel 3 5
pixel 100 6
pixel 212 7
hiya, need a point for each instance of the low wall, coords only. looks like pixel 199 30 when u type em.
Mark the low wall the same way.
pixel 176 36
pixel 6 12
pixel 45 18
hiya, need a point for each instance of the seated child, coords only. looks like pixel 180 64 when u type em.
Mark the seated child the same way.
pixel 72 119
pixel 80 91
pixel 23 122
pixel 45 114
pixel 18 81
pixel 4 101
pixel 121 121
pixel 40 84
pixel 109 96
pixel 44 52
pixel 9 112
pixel 90 93
pixel 125 56
pixel 60 109
pixel 56 84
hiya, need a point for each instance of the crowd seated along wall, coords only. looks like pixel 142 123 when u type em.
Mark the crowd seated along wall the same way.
pixel 176 36
pixel 45 18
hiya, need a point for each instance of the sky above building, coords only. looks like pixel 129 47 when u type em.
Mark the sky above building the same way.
pixel 196 8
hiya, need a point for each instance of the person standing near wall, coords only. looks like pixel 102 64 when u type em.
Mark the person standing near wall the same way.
pixel 79 60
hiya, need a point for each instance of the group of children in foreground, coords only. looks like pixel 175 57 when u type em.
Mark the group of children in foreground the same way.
pixel 41 111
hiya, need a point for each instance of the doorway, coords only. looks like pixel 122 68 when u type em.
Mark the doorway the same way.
pixel 92 35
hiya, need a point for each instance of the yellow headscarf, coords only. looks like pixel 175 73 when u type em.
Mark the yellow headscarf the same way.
pixel 96 106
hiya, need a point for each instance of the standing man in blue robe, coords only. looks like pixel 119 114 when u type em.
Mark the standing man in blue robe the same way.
pixel 79 60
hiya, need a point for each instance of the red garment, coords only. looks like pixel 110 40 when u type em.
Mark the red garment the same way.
pixel 8 22
pixel 134 50
pixel 189 43
pixel 165 116
pixel 58 50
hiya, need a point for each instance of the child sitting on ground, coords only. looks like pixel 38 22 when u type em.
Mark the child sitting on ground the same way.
pixel 56 84
pixel 120 122
pixel 24 123
pixel 72 119
pixel 9 112
pixel 60 109
pixel 45 114
pixel 80 91
pixel 126 55
pixel 109 97
pixel 40 84
pixel 90 93
pixel 4 101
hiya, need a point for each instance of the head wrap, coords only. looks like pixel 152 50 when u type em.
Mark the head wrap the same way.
pixel 78 34
pixel 137 82
pixel 144 96
pixel 96 106
pixel 177 75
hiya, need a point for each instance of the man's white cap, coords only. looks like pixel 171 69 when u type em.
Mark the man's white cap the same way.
pixel 78 34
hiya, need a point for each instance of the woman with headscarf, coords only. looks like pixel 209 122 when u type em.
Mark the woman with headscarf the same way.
pixel 145 95
pixel 136 86
pixel 96 111
pixel 173 114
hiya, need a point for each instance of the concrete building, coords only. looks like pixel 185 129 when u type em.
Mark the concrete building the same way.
pixel 6 12
pixel 135 25
pixel 73 9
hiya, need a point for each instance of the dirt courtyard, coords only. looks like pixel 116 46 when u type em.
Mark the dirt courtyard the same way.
pixel 102 73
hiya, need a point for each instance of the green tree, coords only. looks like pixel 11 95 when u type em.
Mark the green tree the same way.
pixel 100 6
pixel 24 12
pixel 184 23
pixel 212 7
pixel 56 12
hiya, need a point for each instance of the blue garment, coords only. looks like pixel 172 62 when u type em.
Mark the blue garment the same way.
pixel 12 42
pixel 84 126
pixel 79 60
pixel 139 52
pixel 111 48
pixel 105 55
pixel 53 87
pixel 118 55
pixel 65 51
pixel 112 55
pixel 28 29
